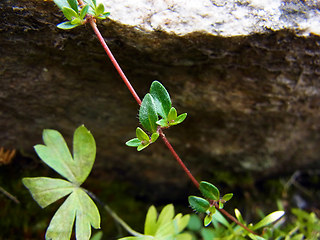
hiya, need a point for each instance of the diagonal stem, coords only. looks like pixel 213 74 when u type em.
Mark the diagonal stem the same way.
pixel 163 137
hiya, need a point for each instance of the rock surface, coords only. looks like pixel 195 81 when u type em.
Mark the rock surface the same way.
pixel 252 100
pixel 218 17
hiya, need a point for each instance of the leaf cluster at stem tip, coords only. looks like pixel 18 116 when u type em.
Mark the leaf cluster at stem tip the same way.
pixel 77 15
pixel 208 204
pixel 157 103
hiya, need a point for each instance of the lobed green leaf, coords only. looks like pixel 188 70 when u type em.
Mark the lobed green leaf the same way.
pixel 148 114
pixel 47 190
pixel 209 191
pixel 161 98
pixel 199 204
pixel 150 226
pixel 84 152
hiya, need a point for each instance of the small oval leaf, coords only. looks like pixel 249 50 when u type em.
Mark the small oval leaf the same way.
pixel 99 9
pixel 227 197
pixel 172 114
pixel 209 191
pixel 84 11
pixel 69 13
pixel 154 137
pixel 161 98
pixel 207 220
pixel 135 142
pixel 74 5
pixel 199 204
pixel 147 114
pixel 66 25
pixel 141 135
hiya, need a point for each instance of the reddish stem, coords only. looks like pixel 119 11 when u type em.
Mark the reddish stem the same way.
pixel 232 218
pixel 163 137
pixel 114 61
pixel 176 156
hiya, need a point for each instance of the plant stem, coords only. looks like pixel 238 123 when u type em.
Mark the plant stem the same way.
pixel 176 156
pixel 163 137
pixel 13 198
pixel 232 218
pixel 114 215
pixel 113 60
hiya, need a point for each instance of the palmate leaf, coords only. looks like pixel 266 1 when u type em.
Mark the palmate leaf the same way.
pixel 166 226
pixel 78 206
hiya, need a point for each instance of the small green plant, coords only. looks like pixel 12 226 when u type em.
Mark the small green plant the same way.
pixel 78 206
pixel 166 226
pixel 155 115
pixel 155 104
pixel 77 15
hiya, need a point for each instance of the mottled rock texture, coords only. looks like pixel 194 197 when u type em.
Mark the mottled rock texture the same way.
pixel 252 101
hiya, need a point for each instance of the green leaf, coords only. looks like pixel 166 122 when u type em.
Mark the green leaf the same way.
pixel 84 11
pixel 99 9
pixel 154 137
pixel 163 123
pixel 104 15
pixel 76 21
pixel 150 226
pixel 221 205
pixel 47 190
pixel 161 98
pixel 66 25
pixel 77 206
pixel 74 5
pixel 141 135
pixel 135 142
pixel 207 220
pixel 199 204
pixel 148 114
pixel 142 146
pixel 97 236
pixel 69 13
pixel 84 152
pixel 239 216
pixel 87 215
pixel 179 119
pixel 55 154
pixel 172 115
pixel 61 3
pixel 227 197
pixel 268 219
pixel 209 191
pixel 166 215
